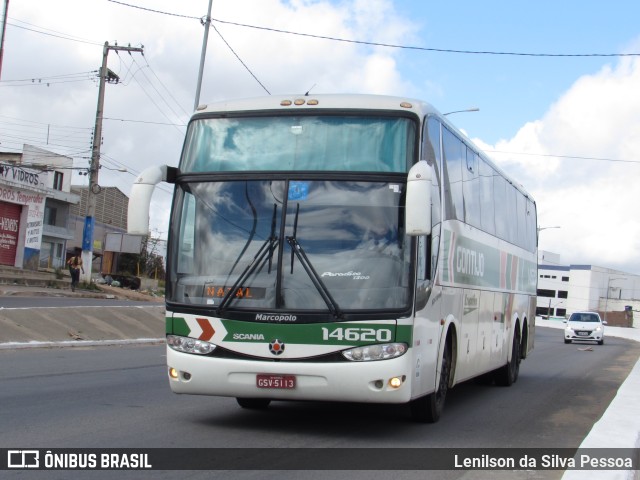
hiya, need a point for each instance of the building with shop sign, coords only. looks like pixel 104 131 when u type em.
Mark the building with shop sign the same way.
pixel 35 201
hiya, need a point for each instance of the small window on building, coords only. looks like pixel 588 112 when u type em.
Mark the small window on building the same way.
pixel 57 180
pixel 565 279
pixel 50 215
pixel 546 293
pixel 561 312
pixel 542 311
pixel 563 294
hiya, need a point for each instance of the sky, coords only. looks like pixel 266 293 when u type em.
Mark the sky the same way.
pixel 557 85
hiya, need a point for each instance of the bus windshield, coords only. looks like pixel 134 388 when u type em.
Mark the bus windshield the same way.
pixel 290 245
pixel 310 142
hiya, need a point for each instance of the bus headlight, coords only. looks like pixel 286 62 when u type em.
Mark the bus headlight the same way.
pixel 190 345
pixel 375 352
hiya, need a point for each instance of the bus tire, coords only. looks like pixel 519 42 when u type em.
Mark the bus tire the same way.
pixel 253 403
pixel 524 344
pixel 508 375
pixel 428 409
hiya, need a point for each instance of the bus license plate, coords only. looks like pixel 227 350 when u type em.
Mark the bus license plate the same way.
pixel 286 382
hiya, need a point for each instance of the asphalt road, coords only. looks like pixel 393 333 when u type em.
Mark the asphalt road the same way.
pixel 118 397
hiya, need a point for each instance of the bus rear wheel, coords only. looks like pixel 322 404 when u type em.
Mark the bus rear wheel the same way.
pixel 253 403
pixel 428 409
pixel 508 375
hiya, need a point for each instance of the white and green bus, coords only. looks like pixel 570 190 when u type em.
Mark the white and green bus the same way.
pixel 350 248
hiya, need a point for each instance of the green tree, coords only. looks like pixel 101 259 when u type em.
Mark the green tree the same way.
pixel 147 263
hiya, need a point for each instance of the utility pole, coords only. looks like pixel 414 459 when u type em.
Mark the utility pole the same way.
pixel 106 75
pixel 4 28
pixel 206 22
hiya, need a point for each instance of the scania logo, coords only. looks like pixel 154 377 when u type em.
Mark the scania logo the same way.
pixel 276 347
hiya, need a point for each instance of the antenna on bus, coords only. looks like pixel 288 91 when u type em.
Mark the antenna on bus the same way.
pixel 309 91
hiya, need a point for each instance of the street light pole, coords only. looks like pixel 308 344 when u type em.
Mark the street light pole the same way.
pixel 472 109
pixel 544 228
pixel 539 229
pixel 203 54
pixel 4 28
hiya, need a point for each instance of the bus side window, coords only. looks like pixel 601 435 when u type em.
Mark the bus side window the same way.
pixel 487 211
pixel 471 189
pixel 187 238
pixel 431 153
pixel 454 153
pixel 427 257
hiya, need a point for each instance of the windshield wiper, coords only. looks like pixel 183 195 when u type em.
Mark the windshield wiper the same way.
pixel 267 248
pixel 298 251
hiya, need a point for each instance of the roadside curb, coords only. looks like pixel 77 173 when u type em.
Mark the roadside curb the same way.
pixel 620 423
pixel 80 343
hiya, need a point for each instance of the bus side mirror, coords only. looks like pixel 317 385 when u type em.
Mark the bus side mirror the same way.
pixel 140 197
pixel 418 200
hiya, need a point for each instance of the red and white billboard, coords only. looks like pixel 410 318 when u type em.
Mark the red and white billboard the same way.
pixel 9 228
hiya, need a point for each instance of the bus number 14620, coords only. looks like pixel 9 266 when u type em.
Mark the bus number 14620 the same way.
pixel 357 334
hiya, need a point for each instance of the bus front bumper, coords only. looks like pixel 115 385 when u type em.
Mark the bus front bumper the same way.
pixel 384 381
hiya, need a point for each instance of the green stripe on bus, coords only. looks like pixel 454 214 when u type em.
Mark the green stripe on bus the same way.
pixel 404 333
pixel 467 262
pixel 180 327
pixel 338 333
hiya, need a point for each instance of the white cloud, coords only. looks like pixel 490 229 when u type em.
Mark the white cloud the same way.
pixel 599 116
pixel 172 45
pixel 595 202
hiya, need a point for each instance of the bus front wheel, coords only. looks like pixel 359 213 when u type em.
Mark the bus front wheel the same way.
pixel 428 409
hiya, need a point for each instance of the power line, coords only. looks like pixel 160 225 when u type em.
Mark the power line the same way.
pixel 145 121
pixel 45 124
pixel 576 157
pixel 46 83
pixel 61 36
pixel 427 49
pixel 187 114
pixel 18 131
pixel 158 92
pixel 388 45
pixel 54 77
pixel 131 171
pixel 81 130
pixel 240 60
pixel 155 11
pixel 155 104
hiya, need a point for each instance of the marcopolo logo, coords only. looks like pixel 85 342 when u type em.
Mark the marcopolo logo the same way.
pixel 264 317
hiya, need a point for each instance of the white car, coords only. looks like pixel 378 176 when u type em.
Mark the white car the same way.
pixel 584 326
